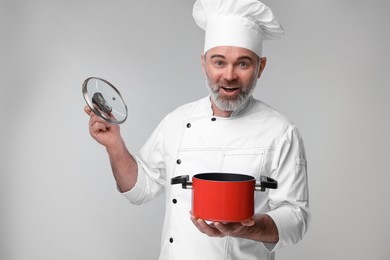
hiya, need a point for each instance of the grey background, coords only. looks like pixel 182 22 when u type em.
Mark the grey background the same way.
pixel 58 199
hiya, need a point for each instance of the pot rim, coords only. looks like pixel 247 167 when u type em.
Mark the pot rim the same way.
pixel 223 177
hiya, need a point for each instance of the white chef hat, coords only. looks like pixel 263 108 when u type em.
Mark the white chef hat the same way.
pixel 240 23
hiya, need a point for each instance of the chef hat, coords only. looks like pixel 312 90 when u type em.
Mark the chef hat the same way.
pixel 240 23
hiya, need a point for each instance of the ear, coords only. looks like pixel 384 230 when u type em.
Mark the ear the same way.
pixel 263 62
pixel 203 57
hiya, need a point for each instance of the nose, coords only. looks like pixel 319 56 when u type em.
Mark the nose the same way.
pixel 230 73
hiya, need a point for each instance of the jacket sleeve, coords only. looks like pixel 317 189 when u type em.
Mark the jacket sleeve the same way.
pixel 289 203
pixel 151 169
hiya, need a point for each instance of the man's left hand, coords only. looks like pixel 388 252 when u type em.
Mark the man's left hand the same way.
pixel 259 228
pixel 218 229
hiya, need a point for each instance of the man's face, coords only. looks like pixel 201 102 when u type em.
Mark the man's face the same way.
pixel 232 74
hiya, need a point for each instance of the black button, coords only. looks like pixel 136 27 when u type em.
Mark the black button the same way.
pixel 188 125
pixel 213 119
pixel 174 201
pixel 171 240
pixel 178 161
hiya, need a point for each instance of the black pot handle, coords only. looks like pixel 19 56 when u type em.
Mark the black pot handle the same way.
pixel 183 180
pixel 266 182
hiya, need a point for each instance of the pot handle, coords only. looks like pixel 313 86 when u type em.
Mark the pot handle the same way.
pixel 183 180
pixel 266 182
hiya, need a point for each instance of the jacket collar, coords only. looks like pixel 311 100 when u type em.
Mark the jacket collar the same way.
pixel 247 106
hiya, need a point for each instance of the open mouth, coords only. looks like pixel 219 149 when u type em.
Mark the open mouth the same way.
pixel 230 89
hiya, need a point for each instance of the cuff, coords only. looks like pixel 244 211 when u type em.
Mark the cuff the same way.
pixel 289 227
pixel 135 194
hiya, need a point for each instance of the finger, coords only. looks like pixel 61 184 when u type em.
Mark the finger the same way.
pixel 97 128
pixel 95 119
pixel 225 229
pixel 228 229
pixel 199 227
pixel 87 110
pixel 103 126
pixel 203 227
pixel 193 219
pixel 248 222
pixel 209 230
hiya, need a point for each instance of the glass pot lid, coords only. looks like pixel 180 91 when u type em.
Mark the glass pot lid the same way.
pixel 104 100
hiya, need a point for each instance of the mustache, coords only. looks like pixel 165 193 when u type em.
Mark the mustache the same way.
pixel 225 84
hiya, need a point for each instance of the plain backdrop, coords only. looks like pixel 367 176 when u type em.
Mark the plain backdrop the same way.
pixel 329 74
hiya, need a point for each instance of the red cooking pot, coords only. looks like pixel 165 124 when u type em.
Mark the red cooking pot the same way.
pixel 224 197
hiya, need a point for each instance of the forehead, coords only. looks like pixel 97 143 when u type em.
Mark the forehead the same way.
pixel 231 52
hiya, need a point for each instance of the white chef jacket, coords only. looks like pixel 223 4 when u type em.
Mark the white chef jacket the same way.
pixel 256 140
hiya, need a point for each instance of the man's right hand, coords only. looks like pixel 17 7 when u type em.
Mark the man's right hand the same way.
pixel 104 133
pixel 123 164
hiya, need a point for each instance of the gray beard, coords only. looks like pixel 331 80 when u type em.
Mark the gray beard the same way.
pixel 230 104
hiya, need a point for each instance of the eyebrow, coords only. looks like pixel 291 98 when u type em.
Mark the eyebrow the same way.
pixel 245 58
pixel 239 58
pixel 217 56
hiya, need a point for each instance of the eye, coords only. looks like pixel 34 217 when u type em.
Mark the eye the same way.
pixel 219 63
pixel 243 64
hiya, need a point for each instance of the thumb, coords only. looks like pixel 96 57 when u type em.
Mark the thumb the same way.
pixel 248 222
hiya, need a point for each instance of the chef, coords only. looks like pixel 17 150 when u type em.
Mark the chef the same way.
pixel 227 131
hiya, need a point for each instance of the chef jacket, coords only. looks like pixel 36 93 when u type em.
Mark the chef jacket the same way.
pixel 256 140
